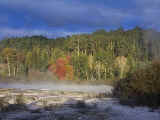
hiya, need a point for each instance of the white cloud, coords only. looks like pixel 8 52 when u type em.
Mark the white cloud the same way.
pixel 150 12
pixel 60 13
pixel 10 32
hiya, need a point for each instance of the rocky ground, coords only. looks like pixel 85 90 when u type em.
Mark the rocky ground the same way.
pixel 31 104
pixel 16 104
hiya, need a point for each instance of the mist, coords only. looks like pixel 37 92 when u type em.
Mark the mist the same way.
pixel 152 41
pixel 59 87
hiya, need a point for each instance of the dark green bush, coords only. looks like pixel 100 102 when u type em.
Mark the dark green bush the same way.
pixel 143 86
pixel 81 104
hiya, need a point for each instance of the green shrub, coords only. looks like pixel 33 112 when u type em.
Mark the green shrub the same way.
pixel 143 86
pixel 20 99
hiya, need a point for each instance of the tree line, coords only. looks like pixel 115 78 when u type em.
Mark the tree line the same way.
pixel 101 55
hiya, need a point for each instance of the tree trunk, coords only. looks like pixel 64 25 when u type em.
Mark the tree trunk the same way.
pixel 14 72
pixel 78 53
pixel 9 67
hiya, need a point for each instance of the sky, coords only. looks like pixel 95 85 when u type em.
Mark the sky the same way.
pixel 56 18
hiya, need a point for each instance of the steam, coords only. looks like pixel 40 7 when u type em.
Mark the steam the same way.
pixel 152 40
pixel 59 87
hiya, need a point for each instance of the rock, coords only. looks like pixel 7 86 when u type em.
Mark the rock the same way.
pixel 32 107
pixel 49 105
pixel 11 101
pixel 22 116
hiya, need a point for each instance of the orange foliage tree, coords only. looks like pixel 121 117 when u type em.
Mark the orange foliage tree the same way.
pixel 62 68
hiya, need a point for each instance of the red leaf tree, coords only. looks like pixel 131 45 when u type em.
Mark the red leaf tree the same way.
pixel 62 68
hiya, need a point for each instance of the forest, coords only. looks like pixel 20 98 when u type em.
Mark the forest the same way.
pixel 101 55
pixel 125 59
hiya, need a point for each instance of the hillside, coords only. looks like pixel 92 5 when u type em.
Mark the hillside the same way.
pixel 101 55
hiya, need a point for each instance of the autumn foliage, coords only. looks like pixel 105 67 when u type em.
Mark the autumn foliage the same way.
pixel 143 85
pixel 62 68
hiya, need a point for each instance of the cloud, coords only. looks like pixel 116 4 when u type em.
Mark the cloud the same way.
pixel 70 16
pixel 10 32
pixel 70 13
pixel 149 10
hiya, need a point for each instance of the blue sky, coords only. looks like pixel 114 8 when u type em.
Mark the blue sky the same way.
pixel 55 18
